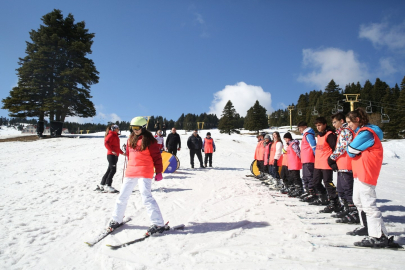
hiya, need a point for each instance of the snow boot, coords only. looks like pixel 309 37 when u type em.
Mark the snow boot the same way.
pixel 155 229
pixel 192 166
pixel 373 242
pixel 344 211
pixel 210 165
pixel 352 217
pixel 310 197
pixel 296 192
pixel 99 188
pixel 333 206
pixel 322 199
pixel 109 189
pixel 360 231
pixel 285 190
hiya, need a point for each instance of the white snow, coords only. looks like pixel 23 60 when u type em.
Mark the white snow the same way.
pixel 49 209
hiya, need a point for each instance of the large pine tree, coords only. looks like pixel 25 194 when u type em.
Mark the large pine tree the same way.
pixel 55 76
pixel 256 118
pixel 228 122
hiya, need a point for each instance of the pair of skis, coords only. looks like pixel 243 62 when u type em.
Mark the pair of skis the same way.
pixel 108 231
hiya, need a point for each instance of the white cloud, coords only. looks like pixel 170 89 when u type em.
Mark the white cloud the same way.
pixel 203 26
pixel 382 34
pixel 99 118
pixel 242 96
pixel 387 66
pixel 332 63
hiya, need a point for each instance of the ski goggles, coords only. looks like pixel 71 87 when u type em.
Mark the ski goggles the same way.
pixel 136 127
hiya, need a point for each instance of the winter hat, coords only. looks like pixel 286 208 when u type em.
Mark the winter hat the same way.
pixel 114 127
pixel 267 137
pixel 208 133
pixel 288 136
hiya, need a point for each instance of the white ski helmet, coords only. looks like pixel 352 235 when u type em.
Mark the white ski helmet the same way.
pixel 139 121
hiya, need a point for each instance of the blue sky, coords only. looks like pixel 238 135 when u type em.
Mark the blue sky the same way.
pixel 172 57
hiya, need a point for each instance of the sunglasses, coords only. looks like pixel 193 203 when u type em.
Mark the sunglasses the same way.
pixel 136 127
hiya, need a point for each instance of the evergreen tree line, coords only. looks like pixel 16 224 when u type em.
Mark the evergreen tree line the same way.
pixel 384 104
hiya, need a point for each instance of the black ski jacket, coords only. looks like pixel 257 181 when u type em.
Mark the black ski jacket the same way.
pixel 194 142
pixel 173 140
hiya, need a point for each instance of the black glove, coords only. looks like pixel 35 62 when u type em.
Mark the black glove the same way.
pixel 214 150
pixel 275 163
pixel 202 150
pixel 332 164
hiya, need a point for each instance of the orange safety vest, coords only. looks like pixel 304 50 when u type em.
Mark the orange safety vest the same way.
pixel 307 154
pixel 140 163
pixel 344 162
pixel 208 146
pixel 294 162
pixel 367 165
pixel 259 153
pixel 267 153
pixel 285 160
pixel 273 153
pixel 322 152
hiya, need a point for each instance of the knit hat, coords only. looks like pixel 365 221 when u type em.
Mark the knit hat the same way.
pixel 208 133
pixel 267 137
pixel 114 127
pixel 288 136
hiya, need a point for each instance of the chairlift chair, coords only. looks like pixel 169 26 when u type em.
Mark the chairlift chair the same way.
pixel 299 112
pixel 384 117
pixel 334 110
pixel 339 108
pixel 314 112
pixel 281 114
pixel 369 109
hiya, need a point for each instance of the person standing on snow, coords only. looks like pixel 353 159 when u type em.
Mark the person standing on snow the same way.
pixel 259 155
pixel 326 143
pixel 194 143
pixel 112 143
pixel 340 161
pixel 294 164
pixel 160 140
pixel 208 148
pixel 308 145
pixel 143 158
pixel 276 156
pixel 266 168
pixel 173 142
pixel 366 152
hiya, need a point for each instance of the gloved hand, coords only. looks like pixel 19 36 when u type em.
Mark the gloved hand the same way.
pixel 275 163
pixel 158 177
pixel 202 150
pixel 332 164
pixel 214 150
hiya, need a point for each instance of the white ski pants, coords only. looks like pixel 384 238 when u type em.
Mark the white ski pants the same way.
pixel 364 197
pixel 145 186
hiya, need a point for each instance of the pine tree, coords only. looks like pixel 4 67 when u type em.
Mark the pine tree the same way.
pixel 401 106
pixel 228 122
pixel 330 98
pixel 55 77
pixel 256 118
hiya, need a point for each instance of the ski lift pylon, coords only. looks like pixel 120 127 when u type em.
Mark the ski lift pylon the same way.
pixel 384 117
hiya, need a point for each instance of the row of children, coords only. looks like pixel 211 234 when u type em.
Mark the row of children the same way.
pixel 353 150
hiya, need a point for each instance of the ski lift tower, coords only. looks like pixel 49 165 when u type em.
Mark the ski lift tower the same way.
pixel 352 98
pixel 291 108
pixel 198 125
pixel 147 119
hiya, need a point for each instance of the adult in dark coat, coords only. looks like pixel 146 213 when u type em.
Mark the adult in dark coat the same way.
pixel 173 142
pixel 194 143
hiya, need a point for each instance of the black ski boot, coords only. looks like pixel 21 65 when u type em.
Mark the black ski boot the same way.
pixel 285 190
pixel 373 242
pixel 322 199
pixel 155 229
pixel 362 231
pixel 310 197
pixel 352 217
pixel 343 212
pixel 296 192
pixel 113 225
pixel 333 206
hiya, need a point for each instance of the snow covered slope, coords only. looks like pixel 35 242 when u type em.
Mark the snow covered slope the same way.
pixel 49 209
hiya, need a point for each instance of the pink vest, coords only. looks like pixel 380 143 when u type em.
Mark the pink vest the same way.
pixel 307 154
pixel 294 162
pixel 273 153
pixel 208 146
pixel 259 153
pixel 267 153
pixel 140 163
